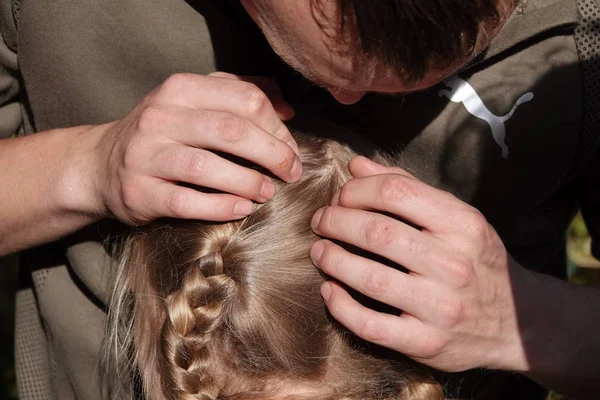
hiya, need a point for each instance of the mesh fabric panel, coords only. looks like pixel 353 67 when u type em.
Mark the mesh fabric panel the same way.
pixel 31 350
pixel 587 39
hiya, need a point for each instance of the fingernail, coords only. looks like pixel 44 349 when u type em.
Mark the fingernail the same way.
pixel 336 198
pixel 370 163
pixel 243 208
pixel 316 219
pixel 360 166
pixel 317 251
pixel 296 171
pixel 267 190
pixel 326 291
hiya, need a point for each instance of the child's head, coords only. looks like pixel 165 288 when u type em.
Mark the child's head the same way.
pixel 233 310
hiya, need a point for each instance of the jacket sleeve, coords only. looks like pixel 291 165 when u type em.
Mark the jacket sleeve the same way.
pixel 10 109
pixel 589 201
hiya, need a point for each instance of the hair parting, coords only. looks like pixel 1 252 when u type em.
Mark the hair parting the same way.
pixel 232 311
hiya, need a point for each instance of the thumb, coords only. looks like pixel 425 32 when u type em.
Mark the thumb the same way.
pixel 361 167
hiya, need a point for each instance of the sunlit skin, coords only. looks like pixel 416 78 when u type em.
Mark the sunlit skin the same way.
pixel 306 34
pixel 463 291
pixel 466 303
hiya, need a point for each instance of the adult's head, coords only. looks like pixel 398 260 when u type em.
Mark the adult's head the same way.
pixel 232 310
pixel 356 46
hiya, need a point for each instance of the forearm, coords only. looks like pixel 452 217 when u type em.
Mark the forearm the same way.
pixel 559 326
pixel 48 187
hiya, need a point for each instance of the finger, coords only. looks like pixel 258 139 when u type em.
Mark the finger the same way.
pixel 361 166
pixel 203 168
pixel 184 203
pixel 374 280
pixel 240 137
pixel 378 234
pixel 237 97
pixel 403 334
pixel 270 87
pixel 226 132
pixel 408 198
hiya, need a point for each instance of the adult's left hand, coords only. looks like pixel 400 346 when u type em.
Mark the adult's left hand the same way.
pixel 457 302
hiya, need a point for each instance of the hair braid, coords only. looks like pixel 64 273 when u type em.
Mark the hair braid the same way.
pixel 231 311
pixel 195 312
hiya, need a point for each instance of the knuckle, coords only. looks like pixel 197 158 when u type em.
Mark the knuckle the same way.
pixel 195 165
pixel 231 129
pixel 151 117
pixel 430 346
pixel 219 207
pixel 476 223
pixel 129 193
pixel 378 234
pixel 254 99
pixel 461 272
pixel 278 129
pixel 450 311
pixel 371 331
pixel 394 189
pixel 131 157
pixel 176 204
pixel 177 82
pixel 377 282
pixel 410 243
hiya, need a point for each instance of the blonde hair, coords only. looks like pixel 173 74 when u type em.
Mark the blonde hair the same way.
pixel 232 311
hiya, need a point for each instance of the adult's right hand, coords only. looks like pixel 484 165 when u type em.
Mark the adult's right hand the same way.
pixel 171 136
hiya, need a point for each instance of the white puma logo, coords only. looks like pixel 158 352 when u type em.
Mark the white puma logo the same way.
pixel 464 93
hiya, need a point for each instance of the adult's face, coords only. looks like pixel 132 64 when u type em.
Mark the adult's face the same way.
pixel 307 35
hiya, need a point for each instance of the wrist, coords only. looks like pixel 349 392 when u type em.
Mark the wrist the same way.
pixel 536 335
pixel 78 191
pixel 508 351
pixel 543 311
pixel 554 335
pixel 559 325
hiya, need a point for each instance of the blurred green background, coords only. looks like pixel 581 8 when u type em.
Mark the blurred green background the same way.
pixel 582 268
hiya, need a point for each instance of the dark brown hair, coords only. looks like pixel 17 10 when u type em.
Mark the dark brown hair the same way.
pixel 411 36
pixel 232 311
